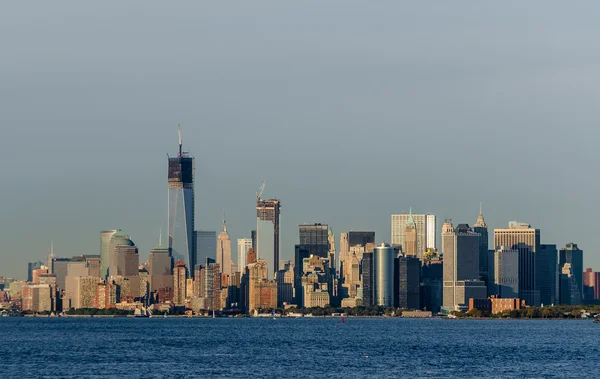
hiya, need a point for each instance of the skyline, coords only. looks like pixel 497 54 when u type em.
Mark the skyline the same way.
pixel 393 106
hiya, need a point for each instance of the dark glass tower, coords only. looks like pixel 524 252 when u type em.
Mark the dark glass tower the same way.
pixel 315 238
pixel 181 208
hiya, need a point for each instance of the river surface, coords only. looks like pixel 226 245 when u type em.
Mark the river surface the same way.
pixel 297 348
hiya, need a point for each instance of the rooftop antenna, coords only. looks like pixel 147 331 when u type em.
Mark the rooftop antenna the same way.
pixel 180 141
pixel 480 207
pixel 160 238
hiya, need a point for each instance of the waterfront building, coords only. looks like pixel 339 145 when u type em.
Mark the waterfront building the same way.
pixel 285 285
pixel 212 284
pixel 105 251
pixel 262 293
pixel 573 255
pixel 125 262
pixel 368 277
pixel 267 233
pixel 407 282
pixel 569 288
pixel 59 268
pixel 424 235
pixel 506 272
pixel 244 244
pixel 522 237
pixel 35 274
pixel 224 250
pixel 481 228
pixel 461 267
pixel 547 274
pixel 181 207
pixel 199 281
pixel 85 291
pixel 179 283
pixel 76 268
pixel 383 259
pixel 591 285
pixel 432 274
pixel 39 298
pixel 494 304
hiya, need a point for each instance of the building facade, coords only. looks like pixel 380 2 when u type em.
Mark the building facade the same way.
pixel 244 244
pixel 267 233
pixel 424 236
pixel 383 257
pixel 224 250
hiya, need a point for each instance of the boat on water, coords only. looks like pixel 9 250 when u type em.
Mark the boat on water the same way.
pixel 597 320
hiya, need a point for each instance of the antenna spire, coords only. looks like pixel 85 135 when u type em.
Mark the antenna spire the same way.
pixel 180 140
pixel 160 238
pixel 480 208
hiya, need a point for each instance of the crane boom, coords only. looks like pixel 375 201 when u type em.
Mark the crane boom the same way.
pixel 261 189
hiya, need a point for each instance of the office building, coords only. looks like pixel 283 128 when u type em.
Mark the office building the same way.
pixel 461 267
pixel 244 244
pixel 59 268
pixel 481 228
pixel 212 284
pixel 431 232
pixel 205 245
pixel 181 207
pixel 591 285
pixel 179 283
pixel 432 275
pixel 383 259
pixel 315 238
pixel 33 266
pixel 160 268
pixel 285 285
pixel 574 256
pixel 407 282
pixel 224 250
pixel 421 221
pixel 506 272
pixel 547 274
pixel 267 233
pixel 522 237
pixel 410 237
pixel 105 251
pixel 368 277
pixel 568 286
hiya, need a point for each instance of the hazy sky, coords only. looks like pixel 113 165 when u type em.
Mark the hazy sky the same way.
pixel 352 110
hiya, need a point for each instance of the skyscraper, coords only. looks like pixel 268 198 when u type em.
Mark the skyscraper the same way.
pixel 368 276
pixel 267 233
pixel 33 266
pixel 424 235
pixel 181 207
pixel 522 237
pixel 205 245
pixel 431 232
pixel 410 237
pixel 315 239
pixel 105 252
pixel 481 228
pixel 461 267
pixel 547 274
pixel 407 282
pixel 573 255
pixel 160 268
pixel 506 273
pixel 243 245
pixel 383 256
pixel 224 250
pixel 179 283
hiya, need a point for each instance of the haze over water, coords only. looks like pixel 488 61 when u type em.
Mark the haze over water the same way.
pixel 353 110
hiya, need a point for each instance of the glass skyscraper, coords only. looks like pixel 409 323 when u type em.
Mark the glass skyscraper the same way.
pixel 267 233
pixel 181 208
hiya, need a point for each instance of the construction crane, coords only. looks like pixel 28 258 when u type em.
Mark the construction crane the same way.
pixel 260 190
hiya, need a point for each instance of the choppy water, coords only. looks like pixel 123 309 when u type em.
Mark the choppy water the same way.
pixel 158 347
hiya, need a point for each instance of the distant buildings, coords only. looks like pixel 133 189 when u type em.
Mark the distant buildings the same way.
pixel 591 285
pixel 425 230
pixel 572 255
pixel 224 251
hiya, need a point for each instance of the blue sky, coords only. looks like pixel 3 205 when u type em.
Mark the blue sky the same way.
pixel 352 110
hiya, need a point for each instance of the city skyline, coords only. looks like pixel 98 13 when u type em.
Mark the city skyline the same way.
pixel 392 92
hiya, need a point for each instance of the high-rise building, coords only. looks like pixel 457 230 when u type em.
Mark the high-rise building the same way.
pixel 547 274
pixel 481 228
pixel 506 272
pixel 569 288
pixel 285 285
pixel 243 245
pixel 383 257
pixel 358 241
pixel 125 261
pixel 461 267
pixel 105 251
pixel 410 237
pixel 522 237
pixel 407 282
pixel 212 284
pixel 160 269
pixel 368 276
pixel 431 232
pixel 59 268
pixel 432 275
pixel 179 283
pixel 33 266
pixel 205 245
pixel 315 238
pixel 224 250
pixel 267 233
pixel 591 285
pixel 573 255
pixel 422 221
pixel 181 207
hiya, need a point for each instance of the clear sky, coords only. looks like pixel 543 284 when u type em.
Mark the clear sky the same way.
pixel 352 110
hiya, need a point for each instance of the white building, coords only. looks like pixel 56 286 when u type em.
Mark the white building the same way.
pixel 243 245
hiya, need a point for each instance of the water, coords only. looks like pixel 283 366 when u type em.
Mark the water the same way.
pixel 267 348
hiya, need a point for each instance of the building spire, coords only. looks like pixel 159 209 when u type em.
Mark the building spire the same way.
pixel 180 140
pixel 224 225
pixel 480 220
pixel 410 221
pixel 160 237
